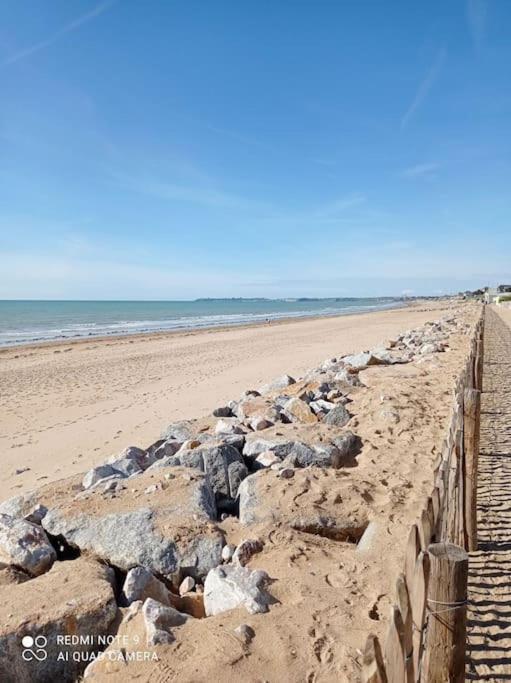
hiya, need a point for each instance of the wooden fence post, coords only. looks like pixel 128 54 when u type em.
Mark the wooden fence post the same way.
pixel 444 655
pixel 472 416
pixel 405 607
pixel 373 668
pixel 418 593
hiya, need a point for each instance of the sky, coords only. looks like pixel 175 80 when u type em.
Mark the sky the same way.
pixel 181 149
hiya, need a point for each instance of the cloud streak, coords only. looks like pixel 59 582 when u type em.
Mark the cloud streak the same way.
pixel 420 170
pixel 424 87
pixel 72 26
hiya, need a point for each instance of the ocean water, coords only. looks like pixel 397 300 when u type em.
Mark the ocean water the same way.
pixel 24 322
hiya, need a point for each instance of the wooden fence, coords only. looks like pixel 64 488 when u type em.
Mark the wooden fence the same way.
pixel 426 638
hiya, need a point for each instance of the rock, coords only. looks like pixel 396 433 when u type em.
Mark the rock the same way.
pixel 141 584
pixel 25 545
pixel 266 459
pixel 187 585
pixel 360 361
pixel 254 447
pixel 245 633
pixel 369 537
pixel 277 384
pixel 300 411
pixel 250 407
pixel 431 347
pixel 232 586
pixel 246 549
pixel 174 534
pixel 224 466
pixel 259 423
pixel 28 506
pixel 228 552
pixel 131 461
pixel 158 620
pixel 222 411
pixel 167 449
pixel 235 440
pixel 178 431
pixel 74 598
pixel 229 426
pixel 10 576
pixel 338 416
pixel 321 407
pixel 98 474
pixel 348 446
pixel 286 473
pixel 347 378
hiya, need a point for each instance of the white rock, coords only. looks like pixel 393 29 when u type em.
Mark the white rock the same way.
pixel 279 383
pixel 25 545
pixel 245 550
pixel 267 459
pixel 228 552
pixel 187 585
pixel 231 586
pixel 141 584
pixel 158 620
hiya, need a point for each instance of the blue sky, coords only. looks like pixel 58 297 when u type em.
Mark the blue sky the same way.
pixel 171 150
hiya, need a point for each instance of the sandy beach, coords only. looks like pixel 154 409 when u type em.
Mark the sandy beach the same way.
pixel 67 406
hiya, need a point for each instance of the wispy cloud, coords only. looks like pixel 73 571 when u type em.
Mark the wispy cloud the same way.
pixel 420 170
pixel 199 194
pixel 477 11
pixel 68 28
pixel 424 86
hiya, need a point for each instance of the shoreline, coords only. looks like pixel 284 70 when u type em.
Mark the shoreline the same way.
pixel 67 406
pixel 189 331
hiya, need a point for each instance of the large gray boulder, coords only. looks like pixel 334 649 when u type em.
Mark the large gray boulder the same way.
pixel 232 586
pixel 223 464
pixel 159 619
pixel 74 598
pixel 25 545
pixel 158 523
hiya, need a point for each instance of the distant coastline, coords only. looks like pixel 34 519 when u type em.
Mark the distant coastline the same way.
pixel 39 322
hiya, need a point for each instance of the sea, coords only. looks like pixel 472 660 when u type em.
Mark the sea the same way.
pixel 26 322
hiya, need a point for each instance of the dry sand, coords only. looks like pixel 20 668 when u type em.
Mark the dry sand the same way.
pixel 65 407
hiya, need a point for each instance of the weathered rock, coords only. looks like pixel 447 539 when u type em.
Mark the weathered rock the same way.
pixel 186 585
pixel 179 431
pixel 266 459
pixel 344 377
pixel 99 473
pixel 348 446
pixel 338 416
pixel 277 384
pixel 228 552
pixel 360 361
pixel 10 576
pixel 223 464
pixel 222 411
pixel 159 619
pixel 254 447
pixel 28 506
pixel 141 584
pixel 245 633
pixel 229 426
pixel 321 407
pixel 246 549
pixel 299 411
pixel 173 535
pixel 259 423
pixel 166 449
pixel 232 586
pixel 25 545
pixel 73 599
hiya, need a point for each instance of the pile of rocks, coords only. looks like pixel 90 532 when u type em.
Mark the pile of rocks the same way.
pixel 143 530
